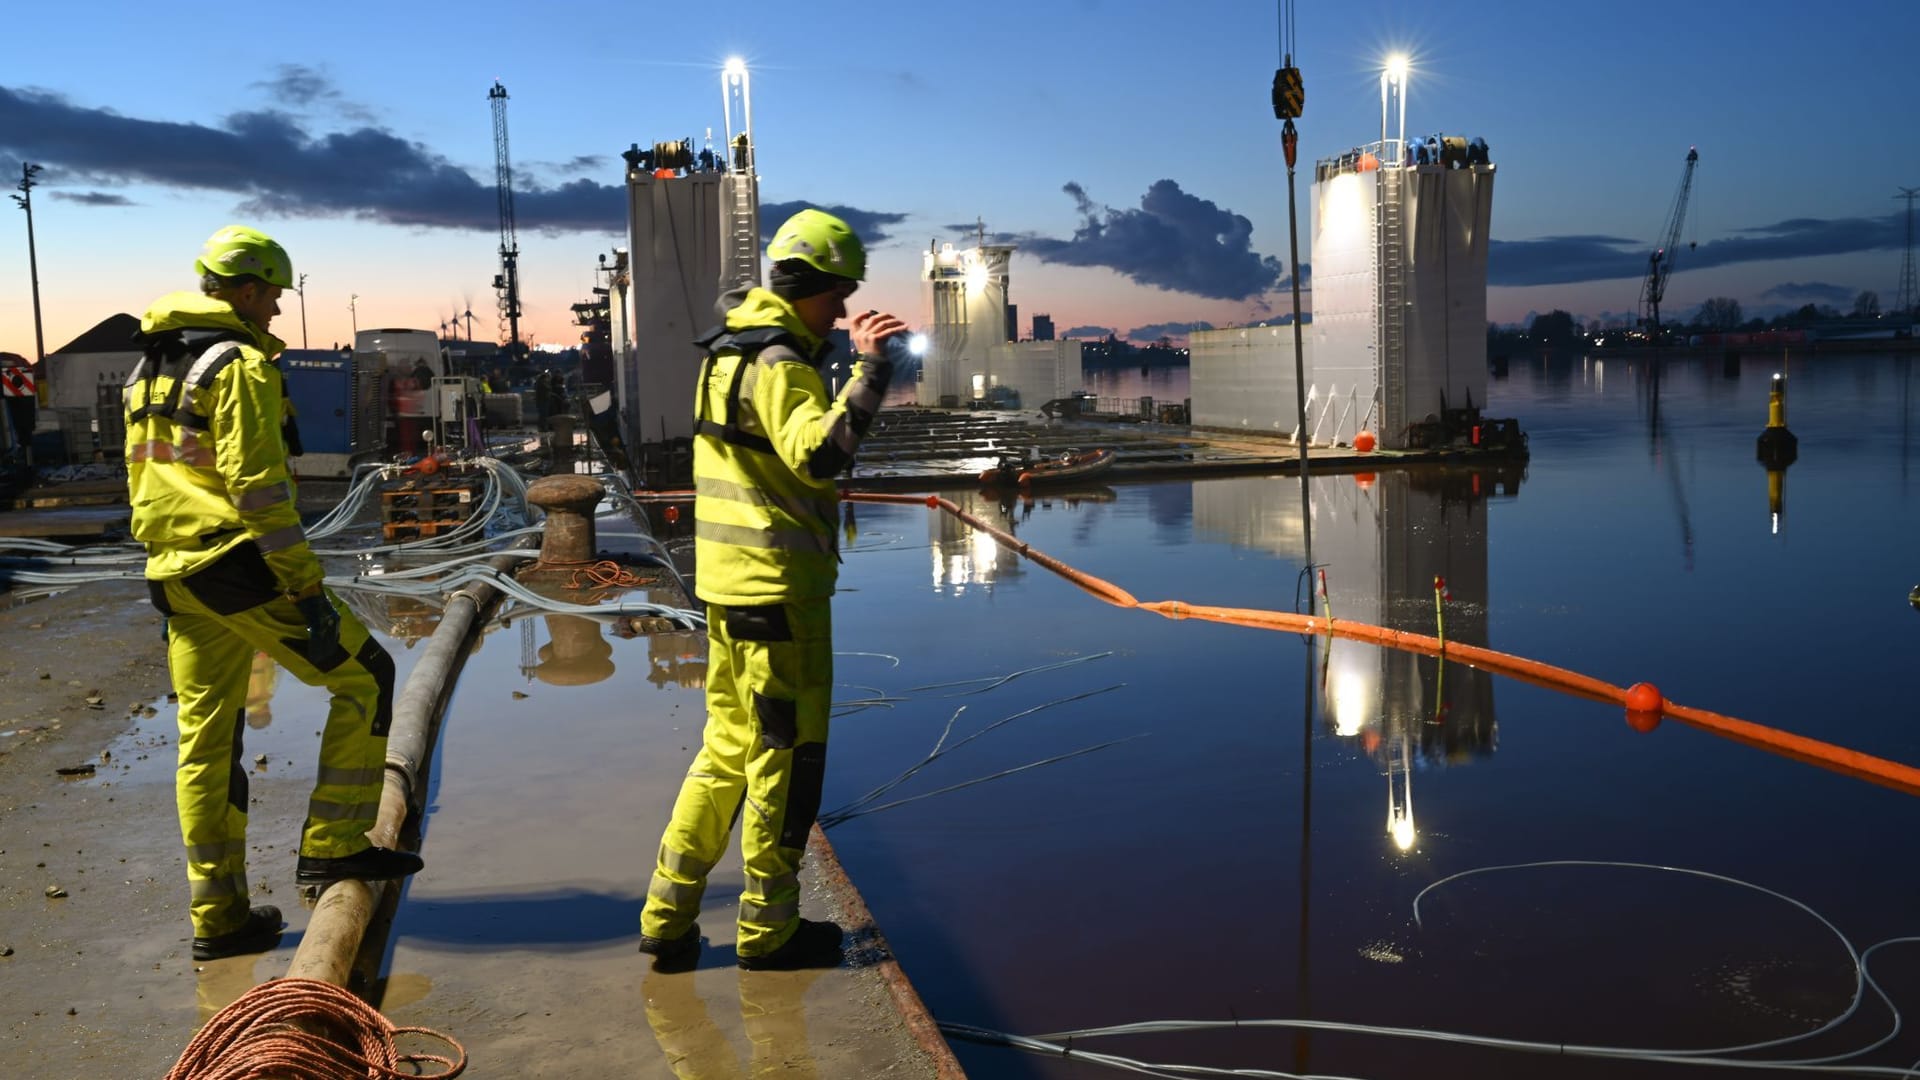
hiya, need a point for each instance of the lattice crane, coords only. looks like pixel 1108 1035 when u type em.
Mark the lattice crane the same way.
pixel 507 281
pixel 1660 263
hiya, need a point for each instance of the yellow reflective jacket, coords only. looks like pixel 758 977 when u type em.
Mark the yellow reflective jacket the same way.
pixel 206 460
pixel 768 442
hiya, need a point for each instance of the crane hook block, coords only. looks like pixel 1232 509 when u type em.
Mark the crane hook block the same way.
pixel 1289 93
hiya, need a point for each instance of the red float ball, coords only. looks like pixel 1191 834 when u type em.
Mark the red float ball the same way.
pixel 1364 442
pixel 1642 721
pixel 1644 697
pixel 1364 481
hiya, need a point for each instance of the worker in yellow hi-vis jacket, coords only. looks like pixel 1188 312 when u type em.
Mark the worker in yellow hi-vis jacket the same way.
pixel 768 443
pixel 230 568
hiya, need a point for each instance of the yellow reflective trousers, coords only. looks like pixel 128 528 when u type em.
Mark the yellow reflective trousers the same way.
pixel 764 755
pixel 216 621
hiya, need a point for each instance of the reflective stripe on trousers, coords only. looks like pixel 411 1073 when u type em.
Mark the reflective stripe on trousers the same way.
pixel 765 742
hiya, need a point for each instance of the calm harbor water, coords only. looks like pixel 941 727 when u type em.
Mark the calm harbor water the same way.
pixel 1250 844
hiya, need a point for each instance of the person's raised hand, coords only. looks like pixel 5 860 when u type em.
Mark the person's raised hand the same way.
pixel 870 328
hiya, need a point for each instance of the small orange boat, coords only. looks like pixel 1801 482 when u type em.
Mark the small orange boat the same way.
pixel 1015 471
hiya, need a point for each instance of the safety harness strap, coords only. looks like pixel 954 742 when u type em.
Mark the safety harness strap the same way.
pixel 750 344
pixel 190 357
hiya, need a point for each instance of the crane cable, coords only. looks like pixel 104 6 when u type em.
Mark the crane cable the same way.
pixel 1839 759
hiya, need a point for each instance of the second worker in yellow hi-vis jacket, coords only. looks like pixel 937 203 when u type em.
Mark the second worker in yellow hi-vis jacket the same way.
pixel 229 566
pixel 768 444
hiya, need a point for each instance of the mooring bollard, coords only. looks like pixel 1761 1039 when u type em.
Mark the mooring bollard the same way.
pixel 569 502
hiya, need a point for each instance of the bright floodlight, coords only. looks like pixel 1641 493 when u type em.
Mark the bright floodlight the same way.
pixel 736 67
pixel 1397 67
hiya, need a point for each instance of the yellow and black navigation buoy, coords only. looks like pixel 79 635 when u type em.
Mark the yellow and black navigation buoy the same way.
pixel 1777 448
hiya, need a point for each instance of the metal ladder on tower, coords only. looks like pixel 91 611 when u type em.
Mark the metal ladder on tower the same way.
pixel 1390 308
pixel 741 258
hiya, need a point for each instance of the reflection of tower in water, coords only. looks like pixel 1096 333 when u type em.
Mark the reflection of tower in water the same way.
pixel 1382 540
pixel 964 556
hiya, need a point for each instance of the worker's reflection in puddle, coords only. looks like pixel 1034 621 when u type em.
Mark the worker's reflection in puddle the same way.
pixel 219 983
pixel 772 1015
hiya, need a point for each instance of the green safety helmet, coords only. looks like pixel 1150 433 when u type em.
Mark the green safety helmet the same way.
pixel 823 242
pixel 237 250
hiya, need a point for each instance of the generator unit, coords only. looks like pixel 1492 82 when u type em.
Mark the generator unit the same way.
pixel 338 404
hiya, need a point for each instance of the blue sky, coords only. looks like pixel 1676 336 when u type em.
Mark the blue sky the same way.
pixel 360 135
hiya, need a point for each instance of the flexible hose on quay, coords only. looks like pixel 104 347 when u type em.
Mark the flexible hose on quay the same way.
pixel 275 1029
pixel 1839 759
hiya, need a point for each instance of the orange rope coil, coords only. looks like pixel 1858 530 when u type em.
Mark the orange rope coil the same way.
pixel 605 574
pixel 274 1032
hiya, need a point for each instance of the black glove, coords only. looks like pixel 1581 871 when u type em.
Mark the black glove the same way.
pixel 323 624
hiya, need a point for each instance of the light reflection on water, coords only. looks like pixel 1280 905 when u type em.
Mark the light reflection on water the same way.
pixel 1177 875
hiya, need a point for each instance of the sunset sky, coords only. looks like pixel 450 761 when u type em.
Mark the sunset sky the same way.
pixel 1127 146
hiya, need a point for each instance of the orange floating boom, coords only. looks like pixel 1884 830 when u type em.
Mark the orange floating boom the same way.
pixel 1839 759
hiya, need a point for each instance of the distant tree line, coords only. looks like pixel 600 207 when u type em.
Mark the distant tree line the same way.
pixel 1558 329
pixel 1111 352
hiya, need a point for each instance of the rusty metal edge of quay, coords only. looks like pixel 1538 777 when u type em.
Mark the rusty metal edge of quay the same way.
pixel 906 1000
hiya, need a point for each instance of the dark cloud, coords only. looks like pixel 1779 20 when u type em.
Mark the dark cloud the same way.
pixel 301 87
pixel 1166 329
pixel 870 225
pixel 277 167
pixel 1558 260
pixel 1174 241
pixel 580 163
pixel 971 231
pixel 298 85
pixel 92 198
pixel 1816 292
pixel 1088 332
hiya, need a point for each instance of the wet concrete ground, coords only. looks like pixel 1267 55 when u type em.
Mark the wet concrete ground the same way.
pixel 519 937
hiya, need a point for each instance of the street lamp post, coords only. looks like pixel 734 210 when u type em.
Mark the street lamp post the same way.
pixel 352 300
pixel 301 288
pixel 25 199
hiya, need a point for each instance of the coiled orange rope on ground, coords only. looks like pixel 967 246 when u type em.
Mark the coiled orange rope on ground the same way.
pixel 605 574
pixel 273 1032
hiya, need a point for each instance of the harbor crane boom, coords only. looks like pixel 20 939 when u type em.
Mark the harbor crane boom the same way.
pixel 507 281
pixel 1660 263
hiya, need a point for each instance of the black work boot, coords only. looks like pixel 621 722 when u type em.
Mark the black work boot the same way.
pixel 373 864
pixel 256 935
pixel 813 945
pixel 673 955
